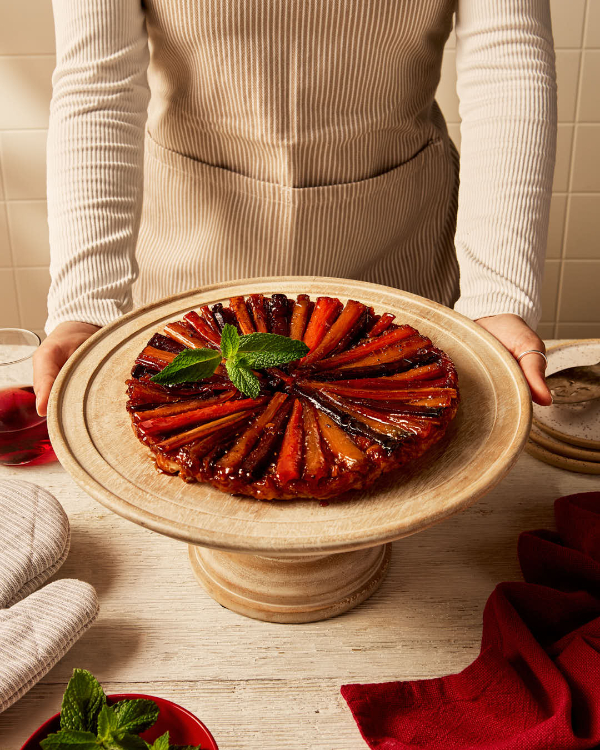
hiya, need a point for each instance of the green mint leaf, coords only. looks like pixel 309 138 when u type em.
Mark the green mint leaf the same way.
pixel 162 743
pixel 125 741
pixel 136 715
pixel 189 366
pixel 70 739
pixel 82 702
pixel 185 747
pixel 258 360
pixel 230 341
pixel 242 377
pixel 108 723
pixel 272 342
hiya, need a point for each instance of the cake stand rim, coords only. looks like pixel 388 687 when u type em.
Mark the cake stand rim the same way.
pixel 264 545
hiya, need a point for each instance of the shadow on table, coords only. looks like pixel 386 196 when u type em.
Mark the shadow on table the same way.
pixel 104 650
pixel 450 569
pixel 88 548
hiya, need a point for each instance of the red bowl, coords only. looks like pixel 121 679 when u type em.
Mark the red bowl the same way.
pixel 183 727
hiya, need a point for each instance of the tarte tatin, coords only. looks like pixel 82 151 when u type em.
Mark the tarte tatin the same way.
pixel 369 396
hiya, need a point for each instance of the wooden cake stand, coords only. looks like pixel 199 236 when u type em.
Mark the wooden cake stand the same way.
pixel 289 561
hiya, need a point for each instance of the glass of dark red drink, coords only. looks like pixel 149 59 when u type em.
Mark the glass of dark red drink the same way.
pixel 23 433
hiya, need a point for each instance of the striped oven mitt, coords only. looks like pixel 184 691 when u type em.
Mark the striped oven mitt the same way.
pixel 36 627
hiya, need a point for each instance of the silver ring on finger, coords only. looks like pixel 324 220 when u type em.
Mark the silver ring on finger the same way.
pixel 532 351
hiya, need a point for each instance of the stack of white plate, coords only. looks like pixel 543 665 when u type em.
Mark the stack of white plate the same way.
pixel 568 435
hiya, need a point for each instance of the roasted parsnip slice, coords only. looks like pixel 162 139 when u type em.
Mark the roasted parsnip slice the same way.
pixel 342 447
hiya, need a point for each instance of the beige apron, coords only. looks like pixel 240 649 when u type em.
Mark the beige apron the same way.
pixel 297 137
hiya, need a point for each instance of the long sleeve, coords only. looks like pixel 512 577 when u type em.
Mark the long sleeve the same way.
pixel 95 158
pixel 507 89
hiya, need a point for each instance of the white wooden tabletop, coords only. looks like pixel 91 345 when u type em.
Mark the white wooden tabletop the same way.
pixel 274 687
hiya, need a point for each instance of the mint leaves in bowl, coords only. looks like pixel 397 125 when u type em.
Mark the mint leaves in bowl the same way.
pixel 91 720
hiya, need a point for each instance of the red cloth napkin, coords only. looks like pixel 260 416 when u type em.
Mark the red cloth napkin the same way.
pixel 536 683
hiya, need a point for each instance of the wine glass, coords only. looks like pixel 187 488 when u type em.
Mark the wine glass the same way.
pixel 23 433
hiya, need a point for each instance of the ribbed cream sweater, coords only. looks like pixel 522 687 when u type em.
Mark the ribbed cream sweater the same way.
pixel 262 109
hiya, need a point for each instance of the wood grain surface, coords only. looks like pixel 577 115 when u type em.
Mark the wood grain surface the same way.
pixel 92 435
pixel 268 686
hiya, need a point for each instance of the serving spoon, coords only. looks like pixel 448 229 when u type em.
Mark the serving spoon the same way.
pixel 575 384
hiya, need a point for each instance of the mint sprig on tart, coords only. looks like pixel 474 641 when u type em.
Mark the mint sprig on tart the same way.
pixel 242 355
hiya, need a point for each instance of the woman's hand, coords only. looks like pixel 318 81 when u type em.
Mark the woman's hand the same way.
pixel 517 337
pixel 51 356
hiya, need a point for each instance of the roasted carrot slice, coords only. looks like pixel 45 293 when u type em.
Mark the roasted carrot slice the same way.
pixel 300 315
pixel 182 406
pixel 256 305
pixel 388 357
pixel 342 447
pixel 177 441
pixel 378 394
pixel 209 319
pixel 353 313
pixel 290 453
pixel 326 311
pixel 185 335
pixel 315 464
pixel 362 350
pixel 156 359
pixel 381 325
pixel 239 309
pixel 263 451
pixel 425 372
pixel 232 460
pixel 202 328
pixel 159 425
pixel 432 402
pixel 398 380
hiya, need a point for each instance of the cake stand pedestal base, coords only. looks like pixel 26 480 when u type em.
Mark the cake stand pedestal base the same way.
pixel 290 589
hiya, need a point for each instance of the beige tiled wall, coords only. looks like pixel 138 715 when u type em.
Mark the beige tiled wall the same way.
pixel 571 298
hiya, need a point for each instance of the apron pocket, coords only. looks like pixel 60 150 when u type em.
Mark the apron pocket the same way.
pixel 203 224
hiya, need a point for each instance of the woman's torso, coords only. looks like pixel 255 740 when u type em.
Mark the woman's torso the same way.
pixel 298 136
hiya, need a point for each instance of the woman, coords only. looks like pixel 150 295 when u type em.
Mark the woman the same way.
pixel 298 137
